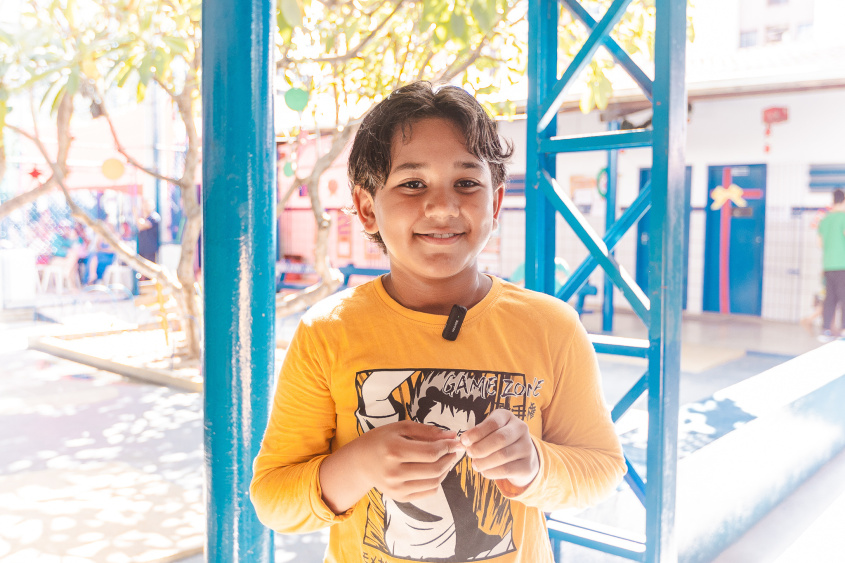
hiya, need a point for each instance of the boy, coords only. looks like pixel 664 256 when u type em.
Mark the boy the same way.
pixel 416 437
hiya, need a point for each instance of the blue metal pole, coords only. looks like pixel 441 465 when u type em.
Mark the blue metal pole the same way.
pixel 665 279
pixel 539 213
pixel 238 267
pixel 156 155
pixel 609 220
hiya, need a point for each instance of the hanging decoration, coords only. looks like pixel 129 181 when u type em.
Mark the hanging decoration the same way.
pixel 770 116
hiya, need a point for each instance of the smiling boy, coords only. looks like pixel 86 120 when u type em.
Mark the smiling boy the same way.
pixel 412 446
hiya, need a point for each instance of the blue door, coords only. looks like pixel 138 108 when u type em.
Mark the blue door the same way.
pixel 734 239
pixel 642 235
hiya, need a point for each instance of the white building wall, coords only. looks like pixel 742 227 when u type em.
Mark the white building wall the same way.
pixel 724 131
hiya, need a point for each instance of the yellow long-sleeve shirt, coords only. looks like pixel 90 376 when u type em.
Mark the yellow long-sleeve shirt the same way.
pixel 360 360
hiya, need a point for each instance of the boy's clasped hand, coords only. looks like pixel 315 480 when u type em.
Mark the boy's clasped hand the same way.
pixel 410 459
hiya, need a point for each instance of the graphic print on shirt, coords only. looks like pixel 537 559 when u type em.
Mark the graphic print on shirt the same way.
pixel 468 519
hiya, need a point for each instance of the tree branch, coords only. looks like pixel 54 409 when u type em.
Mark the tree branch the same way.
pixel 351 53
pixel 122 150
pixel 147 268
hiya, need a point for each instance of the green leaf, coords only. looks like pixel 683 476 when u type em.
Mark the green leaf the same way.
pixel 282 23
pixel 440 36
pixel 588 101
pixel 72 86
pixel 484 14
pixel 161 62
pixel 4 110
pixel 429 14
pixel 176 45
pixel 124 75
pixel 458 26
pixel 57 99
pixel 50 92
pixel 145 21
pixel 144 70
pixel 291 11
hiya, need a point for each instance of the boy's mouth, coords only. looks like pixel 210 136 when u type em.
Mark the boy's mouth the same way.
pixel 440 238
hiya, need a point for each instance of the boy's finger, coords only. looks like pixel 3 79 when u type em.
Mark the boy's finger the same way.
pixel 417 431
pixel 497 419
pixel 425 451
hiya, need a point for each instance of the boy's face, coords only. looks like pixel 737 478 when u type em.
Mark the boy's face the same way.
pixel 438 207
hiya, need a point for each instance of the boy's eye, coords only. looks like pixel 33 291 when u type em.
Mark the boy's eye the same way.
pixel 413 184
pixel 466 184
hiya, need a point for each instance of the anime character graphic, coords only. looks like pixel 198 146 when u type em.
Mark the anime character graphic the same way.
pixel 468 519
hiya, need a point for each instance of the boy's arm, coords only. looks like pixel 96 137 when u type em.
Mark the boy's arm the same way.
pixel 581 460
pixel 299 485
pixel 285 487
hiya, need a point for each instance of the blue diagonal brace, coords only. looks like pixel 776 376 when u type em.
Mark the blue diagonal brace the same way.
pixel 620 346
pixel 623 280
pixel 634 393
pixel 635 481
pixel 633 214
pixel 617 52
pixel 585 55
pixel 599 141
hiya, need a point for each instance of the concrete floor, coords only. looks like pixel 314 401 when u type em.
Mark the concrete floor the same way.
pixel 94 467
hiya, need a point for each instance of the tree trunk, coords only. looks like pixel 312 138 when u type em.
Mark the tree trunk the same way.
pixel 330 278
pixel 191 296
pixel 59 167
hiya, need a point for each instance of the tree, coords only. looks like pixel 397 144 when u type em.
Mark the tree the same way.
pixel 339 58
pixel 120 43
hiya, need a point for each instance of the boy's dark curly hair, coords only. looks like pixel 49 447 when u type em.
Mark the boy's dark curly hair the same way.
pixel 370 158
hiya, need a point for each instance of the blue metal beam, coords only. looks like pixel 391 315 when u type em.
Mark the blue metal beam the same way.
pixel 633 214
pixel 617 52
pixel 631 347
pixel 635 482
pixel 552 102
pixel 596 246
pixel 616 542
pixel 634 393
pixel 542 68
pixel 238 249
pixel 599 141
pixel 611 174
pixel 665 278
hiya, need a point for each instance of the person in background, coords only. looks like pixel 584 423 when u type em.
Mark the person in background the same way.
pixel 832 234
pixel 148 236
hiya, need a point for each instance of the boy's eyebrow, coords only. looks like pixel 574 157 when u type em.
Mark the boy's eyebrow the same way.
pixel 462 164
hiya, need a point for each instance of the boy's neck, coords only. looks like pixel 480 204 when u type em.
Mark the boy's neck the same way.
pixel 437 296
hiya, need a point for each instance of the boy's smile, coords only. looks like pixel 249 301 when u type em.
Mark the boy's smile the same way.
pixel 437 208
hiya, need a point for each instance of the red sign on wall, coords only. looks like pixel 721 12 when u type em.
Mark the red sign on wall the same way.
pixel 775 115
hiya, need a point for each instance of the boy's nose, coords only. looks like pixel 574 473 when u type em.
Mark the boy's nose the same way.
pixel 442 203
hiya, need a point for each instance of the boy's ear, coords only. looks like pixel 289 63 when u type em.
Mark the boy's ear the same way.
pixel 498 196
pixel 363 202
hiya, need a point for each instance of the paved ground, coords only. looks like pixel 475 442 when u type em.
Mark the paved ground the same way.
pixel 95 467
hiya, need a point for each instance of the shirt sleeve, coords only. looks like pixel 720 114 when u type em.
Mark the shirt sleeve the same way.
pixel 285 488
pixel 581 460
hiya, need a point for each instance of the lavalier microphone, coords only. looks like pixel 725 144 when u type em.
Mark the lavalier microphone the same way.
pixel 453 325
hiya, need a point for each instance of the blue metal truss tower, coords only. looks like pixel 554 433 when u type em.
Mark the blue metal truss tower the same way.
pixel 660 306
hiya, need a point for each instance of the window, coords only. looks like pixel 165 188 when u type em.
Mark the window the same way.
pixel 775 34
pixel 826 177
pixel 747 39
pixel 804 31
